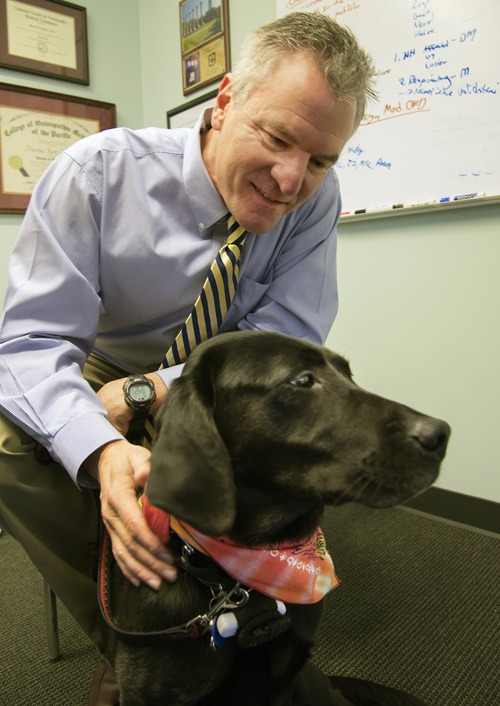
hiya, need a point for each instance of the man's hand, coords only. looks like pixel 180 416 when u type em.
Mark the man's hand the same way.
pixel 121 469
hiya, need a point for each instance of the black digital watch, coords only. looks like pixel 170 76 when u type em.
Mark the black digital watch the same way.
pixel 139 394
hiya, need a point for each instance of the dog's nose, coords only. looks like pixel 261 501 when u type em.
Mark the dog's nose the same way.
pixel 432 435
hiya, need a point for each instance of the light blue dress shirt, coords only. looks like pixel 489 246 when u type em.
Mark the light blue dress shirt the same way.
pixel 114 249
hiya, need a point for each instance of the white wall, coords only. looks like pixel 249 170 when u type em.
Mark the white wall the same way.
pixel 419 295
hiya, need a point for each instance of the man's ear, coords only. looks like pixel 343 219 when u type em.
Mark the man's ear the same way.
pixel 222 102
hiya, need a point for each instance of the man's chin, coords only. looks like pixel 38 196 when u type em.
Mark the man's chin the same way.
pixel 260 223
pixel 256 213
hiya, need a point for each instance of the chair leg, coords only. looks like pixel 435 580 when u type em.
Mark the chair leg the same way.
pixel 51 622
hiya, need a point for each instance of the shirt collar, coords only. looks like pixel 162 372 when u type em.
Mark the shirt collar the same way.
pixel 204 200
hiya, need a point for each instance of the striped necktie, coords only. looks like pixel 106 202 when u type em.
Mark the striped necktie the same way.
pixel 209 309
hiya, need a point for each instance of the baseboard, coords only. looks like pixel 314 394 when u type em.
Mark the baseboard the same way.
pixel 465 509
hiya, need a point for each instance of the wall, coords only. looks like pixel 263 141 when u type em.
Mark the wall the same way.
pixel 114 61
pixel 419 322
pixel 161 48
pixel 418 294
pixel 115 77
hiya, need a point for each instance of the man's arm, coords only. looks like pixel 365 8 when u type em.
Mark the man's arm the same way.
pixel 121 469
pixel 52 309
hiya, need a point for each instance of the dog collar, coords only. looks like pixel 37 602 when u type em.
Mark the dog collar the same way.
pixel 289 572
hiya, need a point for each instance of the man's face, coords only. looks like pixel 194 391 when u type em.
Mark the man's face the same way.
pixel 269 154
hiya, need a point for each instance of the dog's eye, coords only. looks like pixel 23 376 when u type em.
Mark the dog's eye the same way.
pixel 303 380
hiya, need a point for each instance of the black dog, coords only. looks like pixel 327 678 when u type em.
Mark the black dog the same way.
pixel 258 434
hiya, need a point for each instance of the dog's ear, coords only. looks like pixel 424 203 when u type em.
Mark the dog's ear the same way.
pixel 191 475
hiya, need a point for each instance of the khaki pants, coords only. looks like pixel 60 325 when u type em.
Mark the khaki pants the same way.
pixel 56 523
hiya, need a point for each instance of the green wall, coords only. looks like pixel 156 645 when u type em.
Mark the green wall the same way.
pixel 419 321
pixel 115 77
pixel 419 294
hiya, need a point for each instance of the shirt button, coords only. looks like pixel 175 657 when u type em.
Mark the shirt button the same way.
pixel 201 226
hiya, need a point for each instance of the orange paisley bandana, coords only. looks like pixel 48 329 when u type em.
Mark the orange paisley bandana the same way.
pixel 290 572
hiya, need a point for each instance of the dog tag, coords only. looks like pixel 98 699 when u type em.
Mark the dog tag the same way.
pixel 216 640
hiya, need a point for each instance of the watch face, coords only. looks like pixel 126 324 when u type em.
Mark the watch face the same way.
pixel 140 392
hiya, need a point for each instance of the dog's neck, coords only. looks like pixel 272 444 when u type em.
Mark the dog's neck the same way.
pixel 293 572
pixel 262 520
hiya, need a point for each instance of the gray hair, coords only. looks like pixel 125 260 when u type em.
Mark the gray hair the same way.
pixel 348 70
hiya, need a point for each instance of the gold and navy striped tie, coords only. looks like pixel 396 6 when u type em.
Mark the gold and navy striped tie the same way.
pixel 209 309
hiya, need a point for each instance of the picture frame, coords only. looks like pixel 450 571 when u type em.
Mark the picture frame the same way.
pixel 45 37
pixel 187 114
pixel 36 126
pixel 205 50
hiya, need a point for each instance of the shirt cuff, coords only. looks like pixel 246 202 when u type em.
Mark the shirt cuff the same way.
pixel 78 439
pixel 168 375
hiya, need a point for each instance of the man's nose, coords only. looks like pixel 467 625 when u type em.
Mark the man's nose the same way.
pixel 289 171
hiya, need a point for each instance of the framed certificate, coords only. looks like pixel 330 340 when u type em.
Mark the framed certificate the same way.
pixel 46 37
pixel 204 42
pixel 36 126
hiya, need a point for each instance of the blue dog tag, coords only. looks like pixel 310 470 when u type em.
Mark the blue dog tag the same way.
pixel 217 638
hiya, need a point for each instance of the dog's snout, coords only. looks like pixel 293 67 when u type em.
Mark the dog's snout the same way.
pixel 432 435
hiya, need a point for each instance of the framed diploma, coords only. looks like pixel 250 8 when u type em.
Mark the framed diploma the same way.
pixel 36 126
pixel 46 37
pixel 204 42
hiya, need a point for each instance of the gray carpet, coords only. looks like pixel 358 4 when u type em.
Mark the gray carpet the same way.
pixel 27 678
pixel 418 609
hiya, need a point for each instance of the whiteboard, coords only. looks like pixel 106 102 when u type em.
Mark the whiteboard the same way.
pixel 434 135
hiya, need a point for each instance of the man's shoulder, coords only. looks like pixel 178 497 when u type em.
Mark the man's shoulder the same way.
pixel 120 140
pixel 331 181
pixel 326 197
pixel 319 214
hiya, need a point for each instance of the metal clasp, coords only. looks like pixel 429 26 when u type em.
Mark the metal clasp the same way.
pixel 223 600
pixel 186 551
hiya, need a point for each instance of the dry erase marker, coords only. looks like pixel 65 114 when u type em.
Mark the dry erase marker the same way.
pixel 467 196
pixel 360 210
pixel 423 203
pixel 399 205
pixel 345 213
pixel 378 208
pixel 445 199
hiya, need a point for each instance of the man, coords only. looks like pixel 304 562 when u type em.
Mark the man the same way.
pixel 114 249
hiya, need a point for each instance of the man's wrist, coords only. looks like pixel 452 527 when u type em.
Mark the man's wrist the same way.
pixel 91 463
pixel 160 392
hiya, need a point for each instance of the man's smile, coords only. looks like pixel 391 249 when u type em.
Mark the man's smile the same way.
pixel 269 198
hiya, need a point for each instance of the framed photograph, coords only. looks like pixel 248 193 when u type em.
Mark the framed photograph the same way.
pixel 187 114
pixel 36 126
pixel 45 37
pixel 204 42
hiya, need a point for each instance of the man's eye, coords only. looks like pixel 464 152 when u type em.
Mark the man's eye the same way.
pixel 274 139
pixel 277 140
pixel 318 165
pixel 303 380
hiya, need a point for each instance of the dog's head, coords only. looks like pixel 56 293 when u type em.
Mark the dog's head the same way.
pixel 262 429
